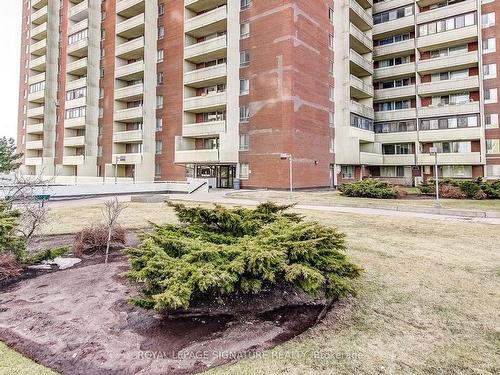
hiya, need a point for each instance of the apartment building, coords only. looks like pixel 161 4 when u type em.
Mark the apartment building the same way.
pixel 156 90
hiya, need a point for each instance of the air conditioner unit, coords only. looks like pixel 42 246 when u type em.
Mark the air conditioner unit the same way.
pixel 418 180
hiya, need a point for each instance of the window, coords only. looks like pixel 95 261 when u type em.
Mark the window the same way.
pixel 331 119
pixel 487 20
pixel 398 171
pixel 75 112
pixel 157 170
pixel 331 41
pixel 161 32
pixel 245 30
pixel 159 78
pixel 397 149
pixel 361 122
pixel 332 93
pixel 447 24
pixel 159 147
pixel 490 96
pixel 36 87
pixel 347 172
pixel 493 146
pixel 489 45
pixel 395 127
pixel 332 67
pixel 159 124
pixel 244 142
pixel 244 58
pixel 466 121
pixel 457 171
pixel 491 120
pixel 76 94
pixel 76 37
pixel 161 9
pixel 493 171
pixel 332 145
pixel 489 71
pixel 453 147
pixel 99 151
pixel 330 15
pixel 159 102
pixel 394 39
pixel 160 55
pixel 396 105
pixel 245 4
pixel 392 14
pixel 244 114
pixel 244 171
pixel 244 86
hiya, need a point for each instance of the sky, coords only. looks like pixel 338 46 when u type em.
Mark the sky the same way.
pixel 10 48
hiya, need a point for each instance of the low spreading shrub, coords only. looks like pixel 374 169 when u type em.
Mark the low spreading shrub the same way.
pixel 10 242
pixel 9 266
pixel 458 189
pixel 369 188
pixel 450 192
pixel 221 252
pixel 94 239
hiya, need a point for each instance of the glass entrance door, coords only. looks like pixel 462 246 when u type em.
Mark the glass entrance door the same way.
pixel 225 176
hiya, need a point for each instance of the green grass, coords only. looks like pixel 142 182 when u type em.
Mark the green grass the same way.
pixel 13 363
pixel 334 197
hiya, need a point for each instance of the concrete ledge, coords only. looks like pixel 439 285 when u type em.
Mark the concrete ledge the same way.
pixel 155 198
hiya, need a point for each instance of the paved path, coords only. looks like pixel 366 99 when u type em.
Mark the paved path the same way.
pixel 219 196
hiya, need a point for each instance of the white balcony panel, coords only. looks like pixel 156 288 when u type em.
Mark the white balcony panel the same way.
pixel 359 16
pixel 394 71
pixel 37 97
pixel 134 92
pixel 33 161
pixel 74 160
pixel 131 136
pixel 129 114
pixel 38 64
pixel 468 158
pixel 359 41
pixel 362 134
pixel 204 77
pixel 368 158
pixel 78 67
pixel 34 145
pixel 129 8
pixel 131 49
pixel 40 16
pixel 206 23
pixel 399 159
pixel 36 112
pixel 448 86
pixel 392 4
pixel 464 35
pixel 359 88
pixel 359 64
pixel 449 134
pixel 75 103
pixel 127 158
pixel 395 49
pixel 402 24
pixel 447 11
pixel 197 156
pixel 399 114
pixel 79 48
pixel 204 129
pixel 130 71
pixel 38 4
pixel 396 137
pixel 39 32
pixel 449 110
pixel 395 93
pixel 74 141
pixel 76 84
pixel 131 27
pixel 199 52
pixel 361 109
pixel 79 26
pixel 34 128
pixel 466 60
pixel 39 48
pixel 208 102
pixel 74 123
pixel 79 11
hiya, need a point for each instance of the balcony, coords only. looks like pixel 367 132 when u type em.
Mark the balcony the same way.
pixel 130 8
pixel 130 93
pixel 76 84
pixel 36 112
pixel 132 27
pixel 33 161
pixel 395 49
pixel 467 60
pixel 39 64
pixel 35 128
pixel 398 114
pixel 434 41
pixel 359 16
pixel 204 129
pixel 205 77
pixel 79 11
pixel 40 16
pixel 449 110
pixel 130 136
pixel 129 115
pixel 74 123
pixel 206 51
pixel 361 109
pixel 466 158
pixel 78 67
pixel 130 72
pixel 394 71
pixel 39 48
pixel 127 158
pixel 360 89
pixel 133 49
pixel 37 78
pixel 369 158
pixel 401 25
pixel 79 26
pixel 37 4
pixel 197 156
pixel 34 145
pixel 399 159
pixel 362 134
pixel 359 41
pixel 395 92
pixel 396 137
pixel 199 6
pixel 388 5
pixel 79 49
pixel 207 23
pixel 446 11
pixel 75 103
pixel 39 32
pixel 37 97
pixel 359 65
pixel 206 103
pixel 74 160
pixel 449 86
pixel 74 141
pixel 455 134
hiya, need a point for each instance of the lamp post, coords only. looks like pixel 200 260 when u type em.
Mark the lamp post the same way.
pixel 289 157
pixel 434 151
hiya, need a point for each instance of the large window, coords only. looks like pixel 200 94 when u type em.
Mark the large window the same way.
pixel 447 24
pixel 361 122
pixel 393 61
pixel 456 171
pixel 394 39
pixel 468 121
pixel 395 105
pixel 347 172
pixel 76 94
pixel 395 83
pixel 450 51
pixel 493 146
pixel 395 127
pixel 453 147
pixel 397 171
pixel 398 149
pixel 75 112
pixel 36 87
pixel 76 37
pixel 392 14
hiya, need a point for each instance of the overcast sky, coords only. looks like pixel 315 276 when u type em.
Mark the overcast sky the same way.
pixel 10 41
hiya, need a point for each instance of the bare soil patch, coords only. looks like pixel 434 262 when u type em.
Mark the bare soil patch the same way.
pixel 78 321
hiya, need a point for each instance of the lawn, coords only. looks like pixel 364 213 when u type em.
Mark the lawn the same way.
pixel 428 302
pixel 12 363
pixel 334 197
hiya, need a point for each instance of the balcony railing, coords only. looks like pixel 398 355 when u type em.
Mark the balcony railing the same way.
pixel 211 101
pixel 199 51
pixel 197 24
pixel 197 156
pixel 204 75
pixel 204 129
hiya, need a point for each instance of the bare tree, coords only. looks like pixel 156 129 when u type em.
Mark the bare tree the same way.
pixel 111 213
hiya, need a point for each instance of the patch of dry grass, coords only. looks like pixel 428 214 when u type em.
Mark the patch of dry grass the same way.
pixel 13 363
pixel 334 197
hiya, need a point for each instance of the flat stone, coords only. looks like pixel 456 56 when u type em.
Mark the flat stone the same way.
pixel 64 263
pixel 152 198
